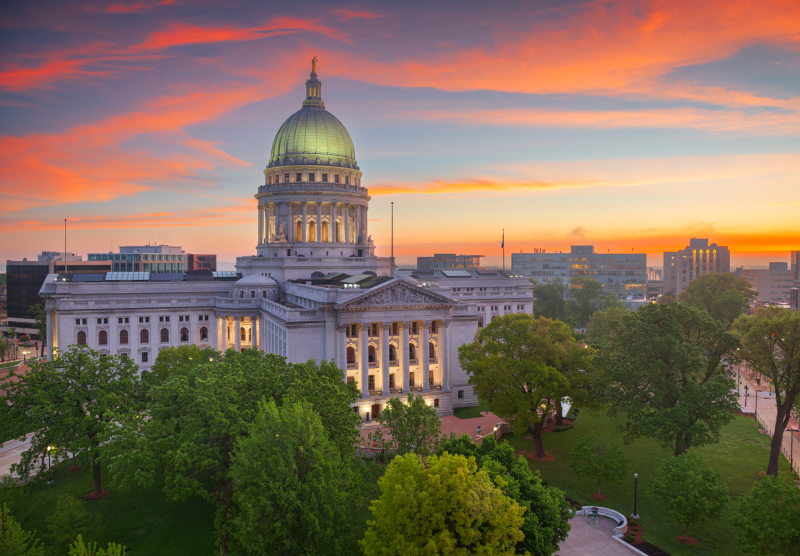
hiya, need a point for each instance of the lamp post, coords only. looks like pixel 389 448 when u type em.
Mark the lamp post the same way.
pixel 634 515
pixel 746 388
pixel 756 404
pixel 25 356
pixel 791 448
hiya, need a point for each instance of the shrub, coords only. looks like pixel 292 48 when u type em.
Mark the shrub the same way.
pixel 633 522
pixel 71 519
pixel 577 508
pixel 564 427
pixel 575 410
pixel 570 416
pixel 628 538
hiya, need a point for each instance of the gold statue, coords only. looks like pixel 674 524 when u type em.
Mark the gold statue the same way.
pixel 314 64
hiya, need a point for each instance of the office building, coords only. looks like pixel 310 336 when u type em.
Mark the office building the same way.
pixel 201 262
pixel 773 285
pixel 623 274
pixel 448 261
pixel 158 259
pixel 681 267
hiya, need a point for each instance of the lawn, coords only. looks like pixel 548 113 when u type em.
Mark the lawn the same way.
pixel 470 412
pixel 142 519
pixel 741 453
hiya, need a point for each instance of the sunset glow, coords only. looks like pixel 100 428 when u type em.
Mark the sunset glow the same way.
pixel 626 125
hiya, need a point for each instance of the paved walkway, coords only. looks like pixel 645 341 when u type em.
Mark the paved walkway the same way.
pixel 585 540
pixel 10 453
pixel 451 423
pixel 764 405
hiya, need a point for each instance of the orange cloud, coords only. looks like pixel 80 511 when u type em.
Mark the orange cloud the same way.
pixel 344 15
pixel 126 9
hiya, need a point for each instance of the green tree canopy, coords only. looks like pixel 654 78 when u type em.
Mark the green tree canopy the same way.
pixel 13 540
pixel 72 404
pixel 413 426
pixel 768 519
pixel 587 296
pixel 599 458
pixel 550 299
pixel 664 366
pixel 90 549
pixel 547 512
pixel 71 518
pixel 599 328
pixel 513 364
pixel 293 489
pixel 446 506
pixel 771 346
pixel 40 323
pixel 689 492
pixel 192 422
pixel 722 295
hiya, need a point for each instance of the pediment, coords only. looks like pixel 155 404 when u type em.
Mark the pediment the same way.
pixel 399 295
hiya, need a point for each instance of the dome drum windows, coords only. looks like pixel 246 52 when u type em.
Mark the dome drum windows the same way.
pixel 204 334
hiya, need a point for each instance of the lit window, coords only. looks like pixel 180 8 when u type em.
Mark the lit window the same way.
pixel 325 178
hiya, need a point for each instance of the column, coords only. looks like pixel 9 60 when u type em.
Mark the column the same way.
pixel 55 329
pixel 305 223
pixel 113 335
pixel 238 335
pixel 385 357
pixel 365 223
pixel 346 223
pixel 220 334
pixel 445 361
pixel 423 355
pixel 270 221
pixel 256 329
pixel 49 339
pixel 402 353
pixel 260 224
pixel 318 237
pixel 226 331
pixel 358 223
pixel 363 328
pixel 332 228
pixel 340 330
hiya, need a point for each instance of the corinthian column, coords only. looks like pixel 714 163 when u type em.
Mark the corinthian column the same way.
pixel 260 224
pixel 385 357
pixel 305 227
pixel 426 362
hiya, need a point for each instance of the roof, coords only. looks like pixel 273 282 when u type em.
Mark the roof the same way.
pixel 256 280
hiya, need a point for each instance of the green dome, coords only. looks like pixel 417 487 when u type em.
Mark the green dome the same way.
pixel 312 135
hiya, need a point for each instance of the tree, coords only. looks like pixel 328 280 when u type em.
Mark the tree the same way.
pixel 550 300
pixel 293 489
pixel 413 426
pixel 547 512
pixel 724 296
pixel 81 549
pixel 193 420
pixel 666 298
pixel 515 364
pixel 71 518
pixel 599 458
pixel 587 296
pixel 72 405
pixel 599 327
pixel 40 323
pixel 13 540
pixel 771 346
pixel 444 507
pixel 689 492
pixel 664 365
pixel 768 519
pixel 3 347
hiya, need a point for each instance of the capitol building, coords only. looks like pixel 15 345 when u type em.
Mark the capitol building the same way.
pixel 314 289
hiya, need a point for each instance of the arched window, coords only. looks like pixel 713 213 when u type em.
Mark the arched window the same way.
pixel 325 232
pixel 204 334
pixel 242 334
pixel 184 334
pixel 123 336
pixel 434 328
pixel 312 231
pixel 412 352
pixel 250 334
pixel 144 336
pixel 164 335
pixel 299 231
pixel 392 353
pixel 351 356
pixel 371 355
pixel 431 351
pixel 81 338
pixel 102 338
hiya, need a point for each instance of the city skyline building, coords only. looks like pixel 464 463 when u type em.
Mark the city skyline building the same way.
pixel 158 259
pixel 440 261
pixel 773 285
pixel 698 258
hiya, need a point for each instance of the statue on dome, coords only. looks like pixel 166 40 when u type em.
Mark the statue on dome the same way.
pixel 280 237
pixel 314 64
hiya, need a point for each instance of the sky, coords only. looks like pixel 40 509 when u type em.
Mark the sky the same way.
pixel 627 125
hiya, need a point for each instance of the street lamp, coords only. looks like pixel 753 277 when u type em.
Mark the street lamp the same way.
pixel 746 388
pixel 634 515
pixel 791 449
pixel 25 356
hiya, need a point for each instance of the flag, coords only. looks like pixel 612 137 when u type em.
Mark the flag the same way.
pixel 503 243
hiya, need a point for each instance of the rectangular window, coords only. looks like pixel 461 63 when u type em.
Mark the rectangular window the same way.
pixel 298 177
pixel 84 321
pixel 127 320
pixel 99 321
pixel 336 178
pixel 312 176
pixel 252 294
pixel 347 180
pixel 78 321
pixel 160 319
pixel 119 320
pixel 144 357
pixel 180 318
pixel 435 402
pixel 141 319
pixel 286 178
pixel 371 382
pixel 324 178
pixel 460 394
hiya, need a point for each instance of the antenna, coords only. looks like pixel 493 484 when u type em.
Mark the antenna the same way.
pixel 392 239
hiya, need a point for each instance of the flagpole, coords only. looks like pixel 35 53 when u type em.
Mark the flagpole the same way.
pixel 392 239
pixel 504 249
pixel 65 247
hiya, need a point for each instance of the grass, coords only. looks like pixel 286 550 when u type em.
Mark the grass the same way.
pixel 10 363
pixel 741 453
pixel 142 519
pixel 471 412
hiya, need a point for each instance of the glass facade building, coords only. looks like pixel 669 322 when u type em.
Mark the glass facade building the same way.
pixel 157 259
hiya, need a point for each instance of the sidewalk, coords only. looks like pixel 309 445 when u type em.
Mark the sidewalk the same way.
pixel 760 400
